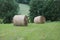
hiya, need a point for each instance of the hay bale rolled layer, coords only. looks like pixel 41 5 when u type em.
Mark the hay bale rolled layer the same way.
pixel 20 20
pixel 39 19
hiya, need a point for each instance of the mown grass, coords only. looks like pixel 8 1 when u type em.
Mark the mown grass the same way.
pixel 47 31
pixel 24 9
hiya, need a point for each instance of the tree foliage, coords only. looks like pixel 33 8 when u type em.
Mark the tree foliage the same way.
pixel 48 8
pixel 23 1
pixel 8 8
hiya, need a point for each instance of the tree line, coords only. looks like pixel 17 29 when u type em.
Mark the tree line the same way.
pixel 48 8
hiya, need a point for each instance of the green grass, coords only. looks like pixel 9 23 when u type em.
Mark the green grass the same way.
pixel 47 31
pixel 24 9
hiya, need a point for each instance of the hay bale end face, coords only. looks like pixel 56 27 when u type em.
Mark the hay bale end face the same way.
pixel 20 20
pixel 39 19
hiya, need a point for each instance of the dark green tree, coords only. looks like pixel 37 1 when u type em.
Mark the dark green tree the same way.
pixel 23 1
pixel 8 8
pixel 47 8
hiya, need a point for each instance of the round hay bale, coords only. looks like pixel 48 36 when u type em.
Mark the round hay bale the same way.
pixel 20 20
pixel 39 19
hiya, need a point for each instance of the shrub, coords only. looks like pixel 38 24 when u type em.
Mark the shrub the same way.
pixel 48 8
pixel 23 1
pixel 8 8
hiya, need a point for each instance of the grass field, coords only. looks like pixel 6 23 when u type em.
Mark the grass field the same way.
pixel 47 31
pixel 24 9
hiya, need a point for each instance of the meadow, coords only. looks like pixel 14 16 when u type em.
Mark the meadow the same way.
pixel 24 9
pixel 47 31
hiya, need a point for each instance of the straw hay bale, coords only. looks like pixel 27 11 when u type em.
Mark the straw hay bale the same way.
pixel 20 20
pixel 39 19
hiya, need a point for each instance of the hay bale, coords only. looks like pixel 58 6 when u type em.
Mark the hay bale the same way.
pixel 20 20
pixel 39 19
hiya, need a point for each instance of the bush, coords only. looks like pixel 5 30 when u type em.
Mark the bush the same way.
pixel 8 8
pixel 23 1
pixel 48 8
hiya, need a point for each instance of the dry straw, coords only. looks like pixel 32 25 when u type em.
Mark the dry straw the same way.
pixel 39 19
pixel 20 20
